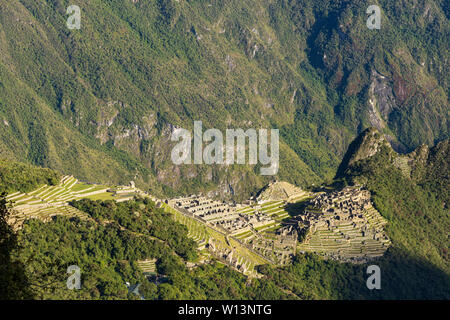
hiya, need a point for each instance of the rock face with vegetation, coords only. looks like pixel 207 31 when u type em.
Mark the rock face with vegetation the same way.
pixel 101 102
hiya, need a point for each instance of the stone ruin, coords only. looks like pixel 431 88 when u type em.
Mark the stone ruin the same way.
pixel 280 249
pixel 222 215
pixel 204 208
pixel 228 256
pixel 279 190
pixel 343 225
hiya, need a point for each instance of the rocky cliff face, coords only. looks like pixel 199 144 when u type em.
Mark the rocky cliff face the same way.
pixel 366 145
pixel 381 101
pixel 423 165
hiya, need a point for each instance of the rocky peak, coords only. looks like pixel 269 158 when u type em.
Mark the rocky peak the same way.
pixel 367 144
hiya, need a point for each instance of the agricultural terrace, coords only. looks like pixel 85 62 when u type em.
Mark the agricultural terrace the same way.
pixel 48 201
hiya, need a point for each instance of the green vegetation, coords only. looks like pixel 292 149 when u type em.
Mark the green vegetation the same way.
pixel 143 218
pixel 110 251
pixel 16 176
pixel 402 277
pixel 14 283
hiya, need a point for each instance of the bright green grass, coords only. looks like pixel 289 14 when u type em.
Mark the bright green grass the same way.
pixel 101 196
pixel 80 186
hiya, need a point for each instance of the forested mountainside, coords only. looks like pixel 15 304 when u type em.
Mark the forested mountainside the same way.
pixel 17 176
pixel 101 102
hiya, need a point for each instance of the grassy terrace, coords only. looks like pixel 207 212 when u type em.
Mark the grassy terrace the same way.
pixel 266 226
pixel 81 187
pixel 243 235
pixel 47 201
pixel 147 266
pixel 102 196
pixel 327 242
pixel 275 209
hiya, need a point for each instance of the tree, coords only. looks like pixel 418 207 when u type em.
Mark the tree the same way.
pixel 13 282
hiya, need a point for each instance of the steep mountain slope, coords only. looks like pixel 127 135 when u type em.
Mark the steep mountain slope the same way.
pixel 101 102
pixel 410 191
